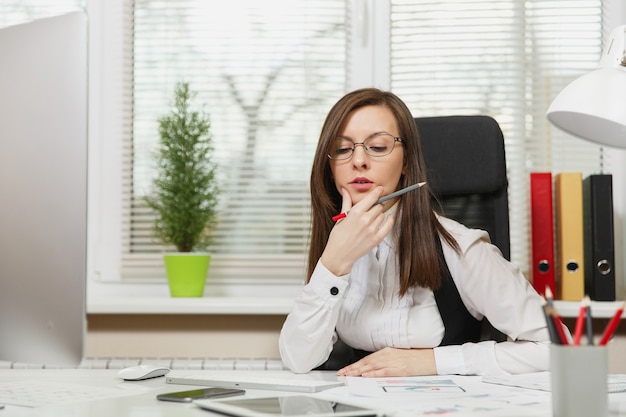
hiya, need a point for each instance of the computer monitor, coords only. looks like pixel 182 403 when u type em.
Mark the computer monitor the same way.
pixel 43 190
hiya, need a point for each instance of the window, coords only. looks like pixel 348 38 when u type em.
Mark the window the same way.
pixel 266 72
pixel 502 58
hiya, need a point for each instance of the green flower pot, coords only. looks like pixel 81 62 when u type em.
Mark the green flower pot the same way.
pixel 186 273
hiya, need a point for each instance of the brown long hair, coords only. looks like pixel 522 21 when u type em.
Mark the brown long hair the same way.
pixel 418 259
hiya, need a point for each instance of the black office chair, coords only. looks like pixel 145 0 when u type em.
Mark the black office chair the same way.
pixel 466 168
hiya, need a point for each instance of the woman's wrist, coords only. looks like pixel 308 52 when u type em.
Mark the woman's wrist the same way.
pixel 337 267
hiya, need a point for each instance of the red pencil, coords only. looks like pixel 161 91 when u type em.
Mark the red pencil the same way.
pixel 612 326
pixel 559 328
pixel 580 321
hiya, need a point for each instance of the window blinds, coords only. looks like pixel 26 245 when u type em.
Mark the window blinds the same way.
pixel 266 73
pixel 506 59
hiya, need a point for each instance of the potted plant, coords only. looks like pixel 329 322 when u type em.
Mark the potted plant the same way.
pixel 185 194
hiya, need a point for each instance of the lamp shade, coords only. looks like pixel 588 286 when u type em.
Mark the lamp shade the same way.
pixel 593 107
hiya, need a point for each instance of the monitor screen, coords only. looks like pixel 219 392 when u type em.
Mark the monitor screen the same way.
pixel 43 190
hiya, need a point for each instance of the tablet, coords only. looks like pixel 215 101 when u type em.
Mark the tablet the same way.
pixel 293 406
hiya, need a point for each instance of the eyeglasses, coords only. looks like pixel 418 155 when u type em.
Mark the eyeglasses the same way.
pixel 378 145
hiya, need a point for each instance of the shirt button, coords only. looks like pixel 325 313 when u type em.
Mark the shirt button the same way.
pixel 334 291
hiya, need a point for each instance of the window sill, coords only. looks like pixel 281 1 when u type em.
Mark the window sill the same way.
pixel 154 298
pixel 276 299
pixel 200 305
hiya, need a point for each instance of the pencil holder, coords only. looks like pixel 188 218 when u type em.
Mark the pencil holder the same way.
pixel 579 378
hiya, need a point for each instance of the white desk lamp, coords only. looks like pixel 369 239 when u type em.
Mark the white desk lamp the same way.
pixel 593 107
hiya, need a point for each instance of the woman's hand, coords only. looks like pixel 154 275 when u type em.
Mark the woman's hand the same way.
pixel 356 234
pixel 393 362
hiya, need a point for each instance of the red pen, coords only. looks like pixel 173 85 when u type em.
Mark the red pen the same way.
pixel 612 326
pixel 339 216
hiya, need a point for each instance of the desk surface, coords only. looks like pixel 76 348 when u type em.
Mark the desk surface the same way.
pixel 138 398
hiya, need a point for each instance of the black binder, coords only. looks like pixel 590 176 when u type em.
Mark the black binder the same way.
pixel 599 237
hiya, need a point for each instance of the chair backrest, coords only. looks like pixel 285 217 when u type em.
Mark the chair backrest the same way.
pixel 466 168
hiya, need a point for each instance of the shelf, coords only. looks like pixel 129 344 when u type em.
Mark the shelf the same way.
pixel 599 309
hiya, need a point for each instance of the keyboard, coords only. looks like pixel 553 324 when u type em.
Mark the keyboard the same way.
pixel 271 364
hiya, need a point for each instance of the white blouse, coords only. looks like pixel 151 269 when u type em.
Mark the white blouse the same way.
pixel 364 309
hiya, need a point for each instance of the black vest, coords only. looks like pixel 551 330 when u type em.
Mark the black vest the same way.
pixel 459 325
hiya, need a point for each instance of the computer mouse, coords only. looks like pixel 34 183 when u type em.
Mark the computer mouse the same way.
pixel 141 372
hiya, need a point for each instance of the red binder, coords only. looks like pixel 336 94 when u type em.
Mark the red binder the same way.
pixel 542 230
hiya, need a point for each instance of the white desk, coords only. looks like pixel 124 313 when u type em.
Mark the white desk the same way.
pixel 141 403
pixel 501 401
